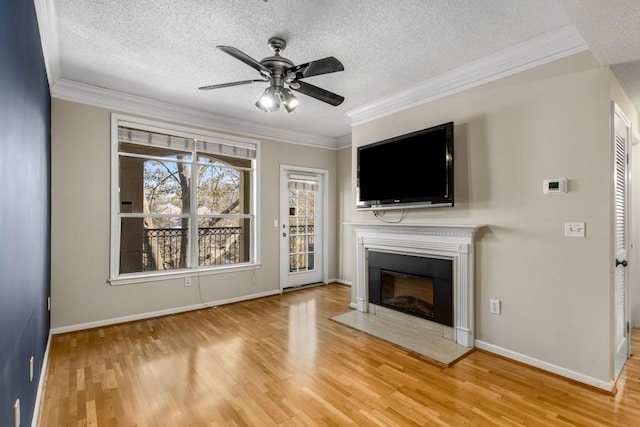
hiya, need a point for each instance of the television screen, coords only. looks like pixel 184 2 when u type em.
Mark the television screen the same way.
pixel 413 170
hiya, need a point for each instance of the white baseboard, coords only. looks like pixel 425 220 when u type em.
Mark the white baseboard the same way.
pixel 343 282
pixel 148 315
pixel 558 370
pixel 41 383
pixel 353 305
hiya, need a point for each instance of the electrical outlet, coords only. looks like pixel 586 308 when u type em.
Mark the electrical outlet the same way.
pixel 494 306
pixel 31 369
pixel 187 281
pixel 16 413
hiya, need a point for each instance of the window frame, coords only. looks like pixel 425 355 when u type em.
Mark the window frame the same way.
pixel 115 277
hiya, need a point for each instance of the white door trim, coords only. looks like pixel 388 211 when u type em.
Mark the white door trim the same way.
pixel 285 170
pixel 634 224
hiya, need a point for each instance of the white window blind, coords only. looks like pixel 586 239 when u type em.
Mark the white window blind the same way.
pixel 219 147
pixel 226 149
pixel 302 182
pixel 142 137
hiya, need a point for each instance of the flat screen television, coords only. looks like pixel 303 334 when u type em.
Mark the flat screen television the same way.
pixel 409 171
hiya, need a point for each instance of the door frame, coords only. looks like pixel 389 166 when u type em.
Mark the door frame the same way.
pixel 634 271
pixel 618 114
pixel 285 170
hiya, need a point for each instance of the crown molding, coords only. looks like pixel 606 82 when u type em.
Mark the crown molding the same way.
pixel 48 27
pixel 123 102
pixel 343 141
pixel 538 51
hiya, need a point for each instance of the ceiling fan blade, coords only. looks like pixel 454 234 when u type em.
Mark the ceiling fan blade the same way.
pixel 240 55
pixel 319 93
pixel 315 68
pixel 221 85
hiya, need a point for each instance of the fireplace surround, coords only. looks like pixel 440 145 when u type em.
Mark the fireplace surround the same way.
pixel 453 243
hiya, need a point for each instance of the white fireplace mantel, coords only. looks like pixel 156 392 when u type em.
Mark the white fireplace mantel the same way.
pixel 447 241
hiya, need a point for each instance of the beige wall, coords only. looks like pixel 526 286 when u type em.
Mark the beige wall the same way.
pixel 549 122
pixel 345 202
pixel 81 236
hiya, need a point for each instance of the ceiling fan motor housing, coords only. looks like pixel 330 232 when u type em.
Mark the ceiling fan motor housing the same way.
pixel 276 63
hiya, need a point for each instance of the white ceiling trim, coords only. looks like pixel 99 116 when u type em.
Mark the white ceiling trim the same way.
pixel 343 141
pixel 105 98
pixel 546 48
pixel 47 25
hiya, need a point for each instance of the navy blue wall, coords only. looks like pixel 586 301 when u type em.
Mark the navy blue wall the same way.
pixel 24 207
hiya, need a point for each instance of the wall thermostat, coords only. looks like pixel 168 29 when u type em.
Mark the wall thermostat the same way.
pixel 554 185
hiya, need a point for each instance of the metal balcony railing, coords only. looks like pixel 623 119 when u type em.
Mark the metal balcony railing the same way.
pixel 166 246
pixel 301 229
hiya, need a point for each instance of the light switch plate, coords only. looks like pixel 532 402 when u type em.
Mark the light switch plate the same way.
pixel 574 229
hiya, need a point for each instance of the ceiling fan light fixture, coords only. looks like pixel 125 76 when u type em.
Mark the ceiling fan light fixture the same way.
pixel 269 101
pixel 289 100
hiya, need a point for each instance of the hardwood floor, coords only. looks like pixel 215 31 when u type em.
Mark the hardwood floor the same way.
pixel 281 361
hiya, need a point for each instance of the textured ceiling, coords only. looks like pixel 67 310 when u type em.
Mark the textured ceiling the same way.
pixel 612 31
pixel 164 50
pixel 610 28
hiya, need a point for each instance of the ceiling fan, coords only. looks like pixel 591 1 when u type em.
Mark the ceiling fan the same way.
pixel 278 72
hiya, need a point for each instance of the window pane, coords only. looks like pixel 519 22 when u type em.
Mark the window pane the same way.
pixel 223 241
pixel 222 190
pixel 302 206
pixel 152 186
pixel 153 244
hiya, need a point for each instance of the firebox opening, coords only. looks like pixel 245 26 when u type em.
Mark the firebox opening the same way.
pixel 418 286
pixel 408 293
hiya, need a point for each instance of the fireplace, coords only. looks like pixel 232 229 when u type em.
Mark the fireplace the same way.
pixel 451 243
pixel 415 285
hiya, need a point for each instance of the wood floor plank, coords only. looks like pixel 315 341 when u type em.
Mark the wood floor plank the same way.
pixel 280 361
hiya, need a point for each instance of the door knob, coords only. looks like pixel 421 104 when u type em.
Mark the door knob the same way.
pixel 623 262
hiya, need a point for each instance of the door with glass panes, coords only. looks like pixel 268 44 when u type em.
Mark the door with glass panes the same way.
pixel 300 228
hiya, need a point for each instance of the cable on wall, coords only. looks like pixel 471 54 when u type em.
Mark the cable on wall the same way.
pixel 380 216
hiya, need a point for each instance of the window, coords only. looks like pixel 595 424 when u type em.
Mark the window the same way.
pixel 181 200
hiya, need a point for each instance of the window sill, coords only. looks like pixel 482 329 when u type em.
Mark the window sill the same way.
pixel 135 278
